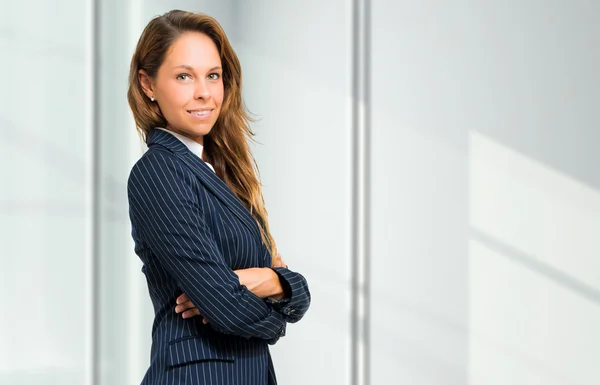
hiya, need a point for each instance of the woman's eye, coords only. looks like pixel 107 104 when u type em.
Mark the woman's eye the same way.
pixel 183 77
pixel 214 76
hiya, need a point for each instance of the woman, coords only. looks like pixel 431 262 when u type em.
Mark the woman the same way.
pixel 198 217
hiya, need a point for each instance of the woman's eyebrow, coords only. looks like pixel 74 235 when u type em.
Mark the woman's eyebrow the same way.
pixel 185 66
pixel 190 68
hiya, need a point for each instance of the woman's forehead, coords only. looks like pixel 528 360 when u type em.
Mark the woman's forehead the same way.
pixel 193 51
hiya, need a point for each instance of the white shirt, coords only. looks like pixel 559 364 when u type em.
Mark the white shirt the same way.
pixel 192 145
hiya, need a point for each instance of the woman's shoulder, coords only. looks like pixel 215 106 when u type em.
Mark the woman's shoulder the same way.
pixel 159 163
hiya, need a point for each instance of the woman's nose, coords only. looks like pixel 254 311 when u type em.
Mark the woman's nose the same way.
pixel 202 90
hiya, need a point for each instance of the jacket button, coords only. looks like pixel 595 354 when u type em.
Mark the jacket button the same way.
pixel 288 311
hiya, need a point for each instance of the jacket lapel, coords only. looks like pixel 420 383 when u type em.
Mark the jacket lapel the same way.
pixel 206 176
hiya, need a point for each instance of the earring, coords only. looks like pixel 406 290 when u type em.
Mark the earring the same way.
pixel 152 98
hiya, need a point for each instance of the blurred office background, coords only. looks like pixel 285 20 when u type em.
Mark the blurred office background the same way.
pixel 483 189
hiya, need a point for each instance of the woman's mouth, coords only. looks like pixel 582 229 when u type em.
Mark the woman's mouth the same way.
pixel 201 114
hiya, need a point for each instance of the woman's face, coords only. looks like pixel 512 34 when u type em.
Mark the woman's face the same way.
pixel 188 86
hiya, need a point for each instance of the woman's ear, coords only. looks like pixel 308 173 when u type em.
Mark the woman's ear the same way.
pixel 146 83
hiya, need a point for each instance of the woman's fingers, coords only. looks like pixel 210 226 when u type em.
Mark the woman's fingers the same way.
pixel 182 298
pixel 190 313
pixel 187 308
pixel 184 306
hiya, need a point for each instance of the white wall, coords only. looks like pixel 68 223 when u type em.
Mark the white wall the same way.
pixel 534 281
pixel 45 174
pixel 419 195
pixel 485 192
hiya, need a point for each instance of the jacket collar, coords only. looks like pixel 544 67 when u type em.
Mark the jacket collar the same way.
pixel 205 175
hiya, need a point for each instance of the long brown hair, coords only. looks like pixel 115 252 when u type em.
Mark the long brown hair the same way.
pixel 226 146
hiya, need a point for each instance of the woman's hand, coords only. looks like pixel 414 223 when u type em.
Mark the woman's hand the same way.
pixel 187 308
pixel 261 281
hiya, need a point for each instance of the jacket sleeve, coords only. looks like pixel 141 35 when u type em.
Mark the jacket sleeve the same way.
pixel 166 211
pixel 297 302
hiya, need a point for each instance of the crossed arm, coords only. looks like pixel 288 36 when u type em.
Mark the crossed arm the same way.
pixel 265 283
pixel 165 209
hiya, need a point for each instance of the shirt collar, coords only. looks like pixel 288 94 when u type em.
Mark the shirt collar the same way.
pixel 192 145
pixel 195 147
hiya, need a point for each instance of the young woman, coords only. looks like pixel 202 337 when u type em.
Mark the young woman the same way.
pixel 221 292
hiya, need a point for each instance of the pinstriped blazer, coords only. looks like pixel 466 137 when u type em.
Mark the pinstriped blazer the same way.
pixel 191 231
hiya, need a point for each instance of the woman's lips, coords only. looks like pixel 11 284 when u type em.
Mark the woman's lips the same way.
pixel 200 114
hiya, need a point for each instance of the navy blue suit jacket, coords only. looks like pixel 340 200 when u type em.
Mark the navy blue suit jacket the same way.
pixel 191 231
